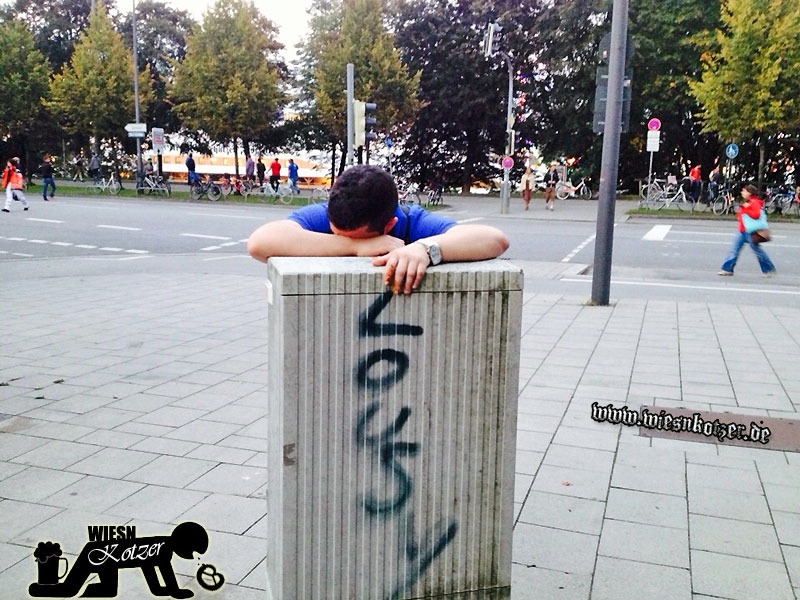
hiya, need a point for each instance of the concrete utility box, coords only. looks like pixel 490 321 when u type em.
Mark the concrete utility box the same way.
pixel 392 431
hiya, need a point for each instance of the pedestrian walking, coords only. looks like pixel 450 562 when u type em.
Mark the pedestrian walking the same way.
pixel 260 169
pixel 275 177
pixel 752 207
pixel 190 167
pixel 77 166
pixel 46 171
pixel 13 181
pixel 696 181
pixel 526 183
pixel 94 167
pixel 249 168
pixel 550 180
pixel 293 177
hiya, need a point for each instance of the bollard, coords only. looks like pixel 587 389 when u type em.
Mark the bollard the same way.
pixel 392 431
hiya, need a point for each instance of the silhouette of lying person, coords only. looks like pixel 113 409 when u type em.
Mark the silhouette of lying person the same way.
pixel 107 557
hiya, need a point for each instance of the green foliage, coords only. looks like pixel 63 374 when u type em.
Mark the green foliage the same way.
pixel 229 85
pixel 94 94
pixel 24 79
pixel 380 75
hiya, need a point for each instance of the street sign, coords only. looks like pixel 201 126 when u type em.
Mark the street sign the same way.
pixel 158 139
pixel 507 162
pixel 732 151
pixel 388 142
pixel 654 124
pixel 136 128
pixel 137 134
pixel 601 95
pixel 653 140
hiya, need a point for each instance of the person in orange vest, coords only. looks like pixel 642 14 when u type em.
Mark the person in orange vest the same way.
pixel 13 182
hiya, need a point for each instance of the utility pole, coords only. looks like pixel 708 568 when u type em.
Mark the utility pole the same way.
pixel 604 241
pixel 136 99
pixel 506 193
pixel 350 114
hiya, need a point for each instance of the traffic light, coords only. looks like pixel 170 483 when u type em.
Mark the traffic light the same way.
pixel 364 123
pixel 491 39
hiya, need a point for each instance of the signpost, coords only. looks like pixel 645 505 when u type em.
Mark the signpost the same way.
pixel 731 151
pixel 136 130
pixel 653 143
pixel 508 163
pixel 157 135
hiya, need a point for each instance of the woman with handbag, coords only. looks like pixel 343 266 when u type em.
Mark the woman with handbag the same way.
pixel 752 230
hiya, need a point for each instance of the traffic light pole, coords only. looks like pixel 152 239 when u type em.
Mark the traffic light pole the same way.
pixel 136 99
pixel 601 276
pixel 350 113
pixel 505 201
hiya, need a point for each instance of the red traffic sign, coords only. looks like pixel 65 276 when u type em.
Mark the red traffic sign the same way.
pixel 654 124
pixel 507 162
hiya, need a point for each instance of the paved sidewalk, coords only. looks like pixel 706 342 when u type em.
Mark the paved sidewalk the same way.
pixel 141 398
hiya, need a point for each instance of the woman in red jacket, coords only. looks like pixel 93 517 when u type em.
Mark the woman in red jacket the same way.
pixel 751 206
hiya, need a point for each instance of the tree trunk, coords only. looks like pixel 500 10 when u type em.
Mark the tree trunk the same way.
pixel 246 146
pixel 342 162
pixel 762 151
pixel 333 164
pixel 236 156
pixel 96 143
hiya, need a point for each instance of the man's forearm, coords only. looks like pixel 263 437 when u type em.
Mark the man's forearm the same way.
pixel 470 242
pixel 286 238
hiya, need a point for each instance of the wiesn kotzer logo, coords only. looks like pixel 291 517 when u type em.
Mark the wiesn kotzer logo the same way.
pixel 111 548
pixel 664 421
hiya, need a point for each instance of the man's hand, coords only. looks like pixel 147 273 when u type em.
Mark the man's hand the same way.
pixel 376 246
pixel 405 267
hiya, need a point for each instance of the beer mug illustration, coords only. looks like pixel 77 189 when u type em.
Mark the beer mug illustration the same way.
pixel 48 557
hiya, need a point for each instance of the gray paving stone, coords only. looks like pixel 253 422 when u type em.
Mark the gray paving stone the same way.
pixel 780 474
pixel 257 578
pixel 533 441
pixel 12 445
pixel 94 494
pixel 171 471
pixel 142 402
pixel 736 480
pixel 145 429
pixel 112 439
pixel 231 479
pixel 245 443
pixel 224 512
pixel 21 404
pixel 205 432
pixel 647 508
pixel 617 579
pixel 242 415
pixel 730 505
pixel 567 481
pixel 34 484
pixel 727 536
pixel 544 547
pixel 160 445
pixel 792 557
pixel 59 431
pixel 725 576
pixel 259 529
pixel 69 527
pixel 166 502
pixel 222 454
pixel 544 584
pixel 57 454
pixel 788 526
pixel 9 469
pixel 113 462
pixel 644 479
pixel 528 462
pixel 601 437
pixel 541 423
pixel 579 458
pixel 563 512
pixel 17 517
pixel 645 543
pixel 522 485
pixel 11 554
pixel 177 389
pixel 660 459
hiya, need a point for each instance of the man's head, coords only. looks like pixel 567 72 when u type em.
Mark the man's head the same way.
pixel 363 202
pixel 15 161
pixel 276 159
pixel 291 161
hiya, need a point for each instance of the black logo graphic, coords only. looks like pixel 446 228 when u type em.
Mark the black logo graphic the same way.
pixel 111 548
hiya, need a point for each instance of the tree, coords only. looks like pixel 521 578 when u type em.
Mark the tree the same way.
pixel 161 32
pixel 751 73
pixel 94 93
pixel 380 75
pixel 229 85
pixel 56 25
pixel 24 79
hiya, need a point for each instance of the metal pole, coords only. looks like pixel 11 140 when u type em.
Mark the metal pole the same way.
pixel 601 277
pixel 350 116
pixel 506 191
pixel 136 99
pixel 649 173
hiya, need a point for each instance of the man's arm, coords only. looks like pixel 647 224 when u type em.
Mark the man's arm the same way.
pixel 406 266
pixel 288 238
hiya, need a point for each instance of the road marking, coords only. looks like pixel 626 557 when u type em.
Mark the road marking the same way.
pixel 691 287
pixel 15 239
pixel 471 220
pixel 3 252
pixel 580 247
pixel 137 251
pixel 208 248
pixel 226 244
pixel 211 214
pixel 38 241
pixel 726 234
pixel 673 241
pixel 205 237
pixel 244 240
pixel 228 257
pixel 43 220
pixel 85 246
pixel 61 243
pixel 112 257
pixel 119 227
pixel 21 254
pixel 111 249
pixel 657 233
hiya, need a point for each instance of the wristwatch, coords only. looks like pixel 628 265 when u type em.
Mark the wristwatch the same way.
pixel 434 253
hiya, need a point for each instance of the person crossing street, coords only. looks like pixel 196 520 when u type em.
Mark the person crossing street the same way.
pixel 13 182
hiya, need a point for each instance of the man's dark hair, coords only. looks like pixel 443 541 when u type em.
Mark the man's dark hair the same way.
pixel 363 195
pixel 752 189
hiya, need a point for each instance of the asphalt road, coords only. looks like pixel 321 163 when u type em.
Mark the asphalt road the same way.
pixel 652 258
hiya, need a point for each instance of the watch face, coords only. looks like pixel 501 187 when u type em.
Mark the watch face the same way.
pixel 435 254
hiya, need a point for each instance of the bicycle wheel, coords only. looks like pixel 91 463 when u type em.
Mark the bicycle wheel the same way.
pixel 284 195
pixel 319 195
pixel 585 192
pixel 114 186
pixel 246 188
pixel 684 202
pixel 214 192
pixel 562 192
pixel 657 200
pixel 196 191
pixel 225 188
pixel 92 189
pixel 719 205
pixel 165 188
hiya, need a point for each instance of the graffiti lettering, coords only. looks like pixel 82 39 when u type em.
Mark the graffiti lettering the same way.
pixel 399 359
pixel 367 327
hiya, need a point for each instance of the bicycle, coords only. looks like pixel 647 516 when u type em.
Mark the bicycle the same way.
pixel 409 196
pixel 723 202
pixel 655 186
pixel 671 196
pixel 435 196
pixel 283 193
pixel 565 189
pixel 318 195
pixel 243 187
pixel 102 184
pixel 156 184
pixel 205 187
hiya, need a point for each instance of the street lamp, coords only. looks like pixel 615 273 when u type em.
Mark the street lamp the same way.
pixel 136 100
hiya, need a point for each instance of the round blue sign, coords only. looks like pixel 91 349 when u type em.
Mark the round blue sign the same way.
pixel 732 151
pixel 388 142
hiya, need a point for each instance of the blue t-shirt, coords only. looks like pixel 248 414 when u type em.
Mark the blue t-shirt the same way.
pixel 292 170
pixel 422 223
